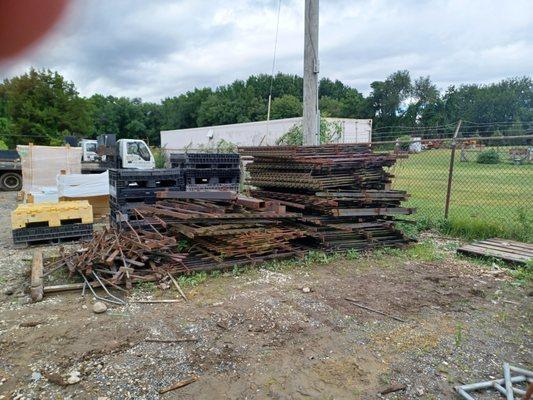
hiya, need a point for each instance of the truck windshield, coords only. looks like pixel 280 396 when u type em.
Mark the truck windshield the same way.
pixel 144 152
pixel 91 147
pixel 140 149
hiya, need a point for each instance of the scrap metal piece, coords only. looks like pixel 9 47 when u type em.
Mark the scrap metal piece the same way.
pixel 508 383
pixel 507 380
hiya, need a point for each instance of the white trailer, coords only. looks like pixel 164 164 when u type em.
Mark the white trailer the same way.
pixel 261 133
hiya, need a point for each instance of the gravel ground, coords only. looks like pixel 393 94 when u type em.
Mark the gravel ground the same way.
pixel 279 333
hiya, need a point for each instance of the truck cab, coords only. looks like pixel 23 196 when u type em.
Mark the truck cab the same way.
pixel 134 154
pixel 89 148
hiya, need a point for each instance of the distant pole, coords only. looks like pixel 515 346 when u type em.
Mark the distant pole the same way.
pixel 450 170
pixel 310 117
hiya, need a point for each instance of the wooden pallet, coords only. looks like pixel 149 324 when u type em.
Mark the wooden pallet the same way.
pixel 504 249
pixel 51 214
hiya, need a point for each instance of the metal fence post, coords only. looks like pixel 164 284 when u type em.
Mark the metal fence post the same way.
pixel 450 171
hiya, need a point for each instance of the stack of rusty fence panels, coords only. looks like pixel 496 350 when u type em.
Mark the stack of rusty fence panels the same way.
pixel 223 229
pixel 342 190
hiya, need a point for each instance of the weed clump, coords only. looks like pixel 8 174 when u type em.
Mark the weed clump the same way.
pixel 490 156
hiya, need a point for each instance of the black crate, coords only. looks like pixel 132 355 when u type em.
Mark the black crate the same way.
pixel 154 178
pixel 234 187
pixel 212 176
pixel 214 180
pixel 128 204
pixel 55 233
pixel 178 160
pixel 205 160
pixel 213 172
pixel 133 193
pixel 213 158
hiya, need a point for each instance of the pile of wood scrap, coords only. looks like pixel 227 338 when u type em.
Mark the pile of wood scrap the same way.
pixel 342 191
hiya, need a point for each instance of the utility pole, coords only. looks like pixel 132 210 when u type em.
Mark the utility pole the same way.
pixel 310 122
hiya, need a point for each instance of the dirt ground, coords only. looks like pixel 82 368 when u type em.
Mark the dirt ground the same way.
pixel 282 332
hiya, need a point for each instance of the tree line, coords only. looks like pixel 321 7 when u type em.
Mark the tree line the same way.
pixel 42 107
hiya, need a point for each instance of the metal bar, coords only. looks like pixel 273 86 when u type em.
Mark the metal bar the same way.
pixel 508 383
pixel 489 384
pixel 521 371
pixel 464 394
pixel 121 303
pixel 450 172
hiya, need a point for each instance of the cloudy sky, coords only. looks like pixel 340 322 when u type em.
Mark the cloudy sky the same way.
pixel 159 48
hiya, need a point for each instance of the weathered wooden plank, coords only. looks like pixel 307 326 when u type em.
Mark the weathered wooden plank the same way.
pixel 483 251
pixel 504 249
pixel 36 289
pixel 504 242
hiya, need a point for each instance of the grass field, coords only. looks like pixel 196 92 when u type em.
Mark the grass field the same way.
pixel 487 199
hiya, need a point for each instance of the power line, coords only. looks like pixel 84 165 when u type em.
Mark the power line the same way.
pixel 273 64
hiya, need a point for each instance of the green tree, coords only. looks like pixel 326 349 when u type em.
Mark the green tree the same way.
pixel 387 98
pixel 330 107
pixel 5 133
pixel 353 105
pixel 182 111
pixel 231 104
pixel 286 106
pixel 506 101
pixel 42 107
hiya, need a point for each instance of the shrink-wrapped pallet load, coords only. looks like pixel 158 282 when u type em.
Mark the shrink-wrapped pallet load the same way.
pixel 42 164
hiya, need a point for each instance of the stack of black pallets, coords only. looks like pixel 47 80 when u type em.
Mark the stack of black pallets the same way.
pixel 208 171
pixel 129 188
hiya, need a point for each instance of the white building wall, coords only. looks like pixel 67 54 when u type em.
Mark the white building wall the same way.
pixel 256 133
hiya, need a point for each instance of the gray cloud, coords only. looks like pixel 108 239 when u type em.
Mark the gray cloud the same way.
pixel 160 48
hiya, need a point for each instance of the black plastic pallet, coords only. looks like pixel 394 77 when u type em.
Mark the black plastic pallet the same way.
pixel 174 181
pixel 171 177
pixel 142 173
pixel 178 160
pixel 133 192
pixel 148 183
pixel 130 202
pixel 234 187
pixel 194 180
pixel 213 172
pixel 187 166
pixel 56 233
pixel 212 157
pixel 205 160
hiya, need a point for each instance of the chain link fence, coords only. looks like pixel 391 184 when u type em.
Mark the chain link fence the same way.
pixel 488 188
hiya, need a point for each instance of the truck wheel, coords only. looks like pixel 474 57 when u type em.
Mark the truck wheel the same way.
pixel 11 181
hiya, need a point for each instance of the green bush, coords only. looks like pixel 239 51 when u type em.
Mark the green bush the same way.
pixel 405 141
pixel 490 156
pixel 159 157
